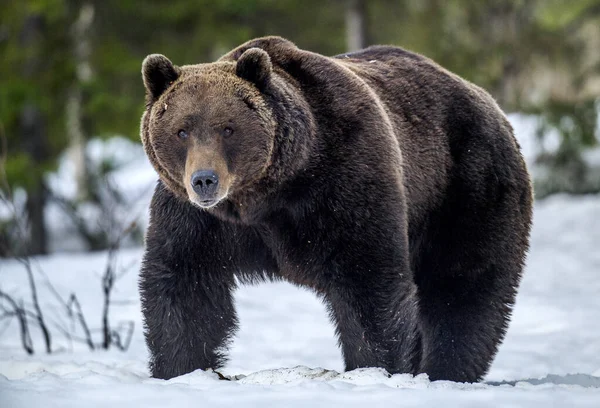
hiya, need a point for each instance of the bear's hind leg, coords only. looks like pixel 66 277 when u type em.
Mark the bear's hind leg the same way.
pixel 463 321
pixel 467 273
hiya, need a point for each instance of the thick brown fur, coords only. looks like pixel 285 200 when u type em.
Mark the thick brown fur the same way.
pixel 391 187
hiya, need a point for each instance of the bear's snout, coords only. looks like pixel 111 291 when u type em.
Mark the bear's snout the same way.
pixel 205 184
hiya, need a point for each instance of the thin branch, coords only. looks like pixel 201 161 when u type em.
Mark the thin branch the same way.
pixel 72 306
pixel 36 304
pixel 121 344
pixel 73 337
pixel 22 259
pixel 107 285
pixel 73 301
pixel 125 269
pixel 70 209
pixel 123 302
pixel 108 281
pixel 19 311
pixel 33 318
pixel 8 316
pixel 25 334
pixel 68 306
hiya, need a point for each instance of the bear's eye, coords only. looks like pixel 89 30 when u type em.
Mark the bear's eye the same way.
pixel 182 134
pixel 227 131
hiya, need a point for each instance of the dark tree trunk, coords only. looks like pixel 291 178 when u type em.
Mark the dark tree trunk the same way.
pixel 33 131
pixel 36 201
pixel 34 136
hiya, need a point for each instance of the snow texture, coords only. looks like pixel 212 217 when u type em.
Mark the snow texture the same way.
pixel 550 358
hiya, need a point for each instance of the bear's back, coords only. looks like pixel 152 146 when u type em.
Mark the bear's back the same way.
pixel 409 88
pixel 438 118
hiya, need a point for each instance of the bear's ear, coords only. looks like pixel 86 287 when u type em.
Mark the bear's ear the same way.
pixel 254 65
pixel 158 73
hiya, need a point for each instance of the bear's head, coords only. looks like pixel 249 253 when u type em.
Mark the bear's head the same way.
pixel 208 129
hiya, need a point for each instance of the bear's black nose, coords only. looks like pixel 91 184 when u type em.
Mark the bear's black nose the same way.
pixel 204 183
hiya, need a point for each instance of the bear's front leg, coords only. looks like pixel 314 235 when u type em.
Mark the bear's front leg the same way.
pixel 186 284
pixel 188 320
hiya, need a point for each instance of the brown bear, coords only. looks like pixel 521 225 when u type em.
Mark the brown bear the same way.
pixel 391 187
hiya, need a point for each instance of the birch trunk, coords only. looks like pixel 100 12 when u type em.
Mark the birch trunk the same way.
pixel 74 107
pixel 356 36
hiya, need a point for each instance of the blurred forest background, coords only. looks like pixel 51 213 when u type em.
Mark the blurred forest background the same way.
pixel 70 73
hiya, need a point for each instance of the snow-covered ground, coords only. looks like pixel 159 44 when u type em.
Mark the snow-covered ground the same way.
pixel 285 353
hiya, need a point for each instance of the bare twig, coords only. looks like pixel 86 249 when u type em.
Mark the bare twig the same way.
pixel 120 337
pixel 107 284
pixel 108 281
pixel 73 301
pixel 125 269
pixel 22 259
pixel 79 339
pixel 8 319
pixel 94 240
pixel 36 304
pixel 21 315
pixel 25 334
pixel 123 343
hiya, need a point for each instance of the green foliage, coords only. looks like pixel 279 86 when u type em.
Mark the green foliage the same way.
pixel 492 43
pixel 575 122
pixel 34 69
pixel 21 167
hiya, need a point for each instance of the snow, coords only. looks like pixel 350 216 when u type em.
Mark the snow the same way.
pixel 285 353
pixel 551 355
